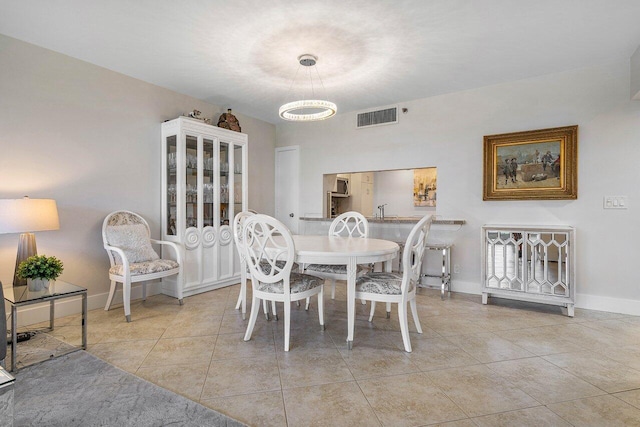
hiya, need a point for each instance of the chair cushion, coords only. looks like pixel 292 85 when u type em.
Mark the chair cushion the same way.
pixel 382 283
pixel 147 267
pixel 297 283
pixel 133 239
pixel 266 267
pixel 333 269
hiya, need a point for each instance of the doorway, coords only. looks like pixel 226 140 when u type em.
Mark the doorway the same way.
pixel 287 192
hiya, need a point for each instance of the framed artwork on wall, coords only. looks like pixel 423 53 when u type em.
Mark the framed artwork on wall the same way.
pixel 532 165
pixel 425 186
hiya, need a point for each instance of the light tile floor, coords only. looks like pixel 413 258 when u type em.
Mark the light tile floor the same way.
pixel 503 364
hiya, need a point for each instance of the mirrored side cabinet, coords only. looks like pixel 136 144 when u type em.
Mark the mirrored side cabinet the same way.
pixel 529 263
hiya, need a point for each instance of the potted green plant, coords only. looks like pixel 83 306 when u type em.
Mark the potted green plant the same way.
pixel 40 271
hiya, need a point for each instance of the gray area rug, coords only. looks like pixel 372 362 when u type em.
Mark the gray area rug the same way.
pixel 79 389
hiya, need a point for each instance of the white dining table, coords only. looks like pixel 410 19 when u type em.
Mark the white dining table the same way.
pixel 349 251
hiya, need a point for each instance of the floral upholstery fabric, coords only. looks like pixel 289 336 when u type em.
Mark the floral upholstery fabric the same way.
pixel 333 269
pixel 297 283
pixel 382 283
pixel 266 267
pixel 124 218
pixel 147 267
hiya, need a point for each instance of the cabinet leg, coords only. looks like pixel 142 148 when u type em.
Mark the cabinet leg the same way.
pixel 485 298
pixel 570 310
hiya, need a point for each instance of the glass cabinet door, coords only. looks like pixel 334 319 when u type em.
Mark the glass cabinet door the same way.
pixel 191 181
pixel 171 185
pixel 237 179
pixel 208 213
pixel 224 183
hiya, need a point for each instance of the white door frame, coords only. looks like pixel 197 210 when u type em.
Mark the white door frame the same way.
pixel 294 177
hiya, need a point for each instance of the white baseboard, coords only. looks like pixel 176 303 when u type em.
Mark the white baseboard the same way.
pixel 68 306
pixel 588 302
pixel 613 305
pixel 466 287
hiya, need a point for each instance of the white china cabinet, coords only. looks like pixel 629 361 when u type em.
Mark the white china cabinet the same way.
pixel 204 184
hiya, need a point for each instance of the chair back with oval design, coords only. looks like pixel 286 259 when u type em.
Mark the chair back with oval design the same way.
pixel 414 250
pixel 350 224
pixel 120 218
pixel 269 249
pixel 238 225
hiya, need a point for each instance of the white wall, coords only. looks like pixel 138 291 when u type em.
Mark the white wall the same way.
pixel 447 132
pixel 635 74
pixel 90 138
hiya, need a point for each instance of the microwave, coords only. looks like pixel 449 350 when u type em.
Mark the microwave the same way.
pixel 341 187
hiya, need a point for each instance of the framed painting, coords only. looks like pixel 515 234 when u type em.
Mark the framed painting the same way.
pixel 425 186
pixel 532 165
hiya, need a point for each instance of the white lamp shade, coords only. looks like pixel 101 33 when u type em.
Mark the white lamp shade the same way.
pixel 28 215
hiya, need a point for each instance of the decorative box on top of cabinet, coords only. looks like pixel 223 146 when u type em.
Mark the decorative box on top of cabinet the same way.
pixel 204 184
pixel 529 263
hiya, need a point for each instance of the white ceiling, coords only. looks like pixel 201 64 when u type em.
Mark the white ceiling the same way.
pixel 241 54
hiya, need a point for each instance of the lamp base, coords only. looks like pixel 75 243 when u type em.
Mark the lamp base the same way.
pixel 26 248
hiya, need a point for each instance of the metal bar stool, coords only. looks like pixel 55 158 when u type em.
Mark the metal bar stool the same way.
pixel 445 275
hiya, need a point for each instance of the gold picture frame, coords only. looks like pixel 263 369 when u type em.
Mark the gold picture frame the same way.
pixel 532 165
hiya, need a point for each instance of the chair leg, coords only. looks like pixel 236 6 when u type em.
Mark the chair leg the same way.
pixel 287 324
pixel 373 308
pixel 112 292
pixel 255 307
pixel 239 302
pixel 321 308
pixel 144 291
pixel 414 312
pixel 265 308
pixel 274 311
pixel 306 306
pixel 180 284
pixel 242 296
pixel 126 297
pixel 404 326
pixel 388 310
pixel 333 289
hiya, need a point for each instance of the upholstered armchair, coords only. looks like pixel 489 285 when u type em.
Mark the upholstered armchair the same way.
pixel 126 239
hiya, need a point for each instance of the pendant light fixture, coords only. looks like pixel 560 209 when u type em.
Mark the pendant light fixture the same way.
pixel 308 110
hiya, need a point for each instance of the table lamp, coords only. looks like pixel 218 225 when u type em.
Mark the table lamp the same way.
pixel 25 216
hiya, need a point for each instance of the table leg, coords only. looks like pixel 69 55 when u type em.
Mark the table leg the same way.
pixel 84 321
pixel 351 300
pixel 14 336
pixel 388 265
pixel 52 314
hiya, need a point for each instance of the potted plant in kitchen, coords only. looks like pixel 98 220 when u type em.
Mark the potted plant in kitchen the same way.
pixel 40 271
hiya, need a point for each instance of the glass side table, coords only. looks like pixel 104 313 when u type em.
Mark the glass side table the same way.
pixel 20 296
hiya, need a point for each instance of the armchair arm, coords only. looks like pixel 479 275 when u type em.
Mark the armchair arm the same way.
pixel 175 247
pixel 123 257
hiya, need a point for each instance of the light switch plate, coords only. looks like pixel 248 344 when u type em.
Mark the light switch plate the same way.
pixel 616 202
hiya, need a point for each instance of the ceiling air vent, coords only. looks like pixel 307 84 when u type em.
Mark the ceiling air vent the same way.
pixel 378 117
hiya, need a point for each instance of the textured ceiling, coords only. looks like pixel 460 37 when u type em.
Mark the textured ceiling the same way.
pixel 242 54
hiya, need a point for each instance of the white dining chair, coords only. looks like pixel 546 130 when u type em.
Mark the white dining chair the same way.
pixel 348 224
pixel 270 252
pixel 125 236
pixel 238 225
pixel 399 288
